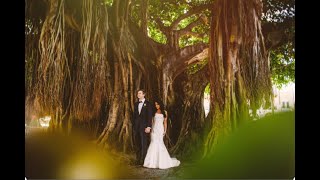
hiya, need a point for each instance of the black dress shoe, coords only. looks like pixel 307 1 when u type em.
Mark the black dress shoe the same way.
pixel 141 163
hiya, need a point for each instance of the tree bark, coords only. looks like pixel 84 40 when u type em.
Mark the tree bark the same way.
pixel 189 113
pixel 238 67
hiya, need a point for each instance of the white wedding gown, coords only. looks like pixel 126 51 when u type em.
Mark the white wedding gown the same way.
pixel 157 154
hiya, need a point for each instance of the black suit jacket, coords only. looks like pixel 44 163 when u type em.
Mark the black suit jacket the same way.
pixel 144 119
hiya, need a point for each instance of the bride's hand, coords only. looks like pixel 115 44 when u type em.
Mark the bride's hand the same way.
pixel 147 130
pixel 164 133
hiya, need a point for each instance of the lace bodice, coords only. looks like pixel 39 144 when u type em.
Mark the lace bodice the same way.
pixel 158 127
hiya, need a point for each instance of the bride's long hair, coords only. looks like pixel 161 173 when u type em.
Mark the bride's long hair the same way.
pixel 162 109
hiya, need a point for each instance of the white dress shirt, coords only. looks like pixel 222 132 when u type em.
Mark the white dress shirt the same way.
pixel 140 105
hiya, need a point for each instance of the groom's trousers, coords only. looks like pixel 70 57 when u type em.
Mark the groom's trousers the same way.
pixel 141 143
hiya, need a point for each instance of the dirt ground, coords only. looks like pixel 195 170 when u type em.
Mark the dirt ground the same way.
pixel 138 172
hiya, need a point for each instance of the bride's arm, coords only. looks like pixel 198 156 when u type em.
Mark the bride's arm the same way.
pixel 165 122
pixel 152 122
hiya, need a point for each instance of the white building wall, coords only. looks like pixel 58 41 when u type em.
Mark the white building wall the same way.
pixel 285 97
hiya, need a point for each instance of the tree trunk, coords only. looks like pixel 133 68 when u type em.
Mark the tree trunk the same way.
pixel 189 113
pixel 68 87
pixel 131 73
pixel 237 65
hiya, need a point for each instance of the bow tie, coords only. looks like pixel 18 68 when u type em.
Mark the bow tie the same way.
pixel 140 101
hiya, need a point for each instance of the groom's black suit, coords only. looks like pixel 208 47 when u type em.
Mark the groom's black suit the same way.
pixel 139 123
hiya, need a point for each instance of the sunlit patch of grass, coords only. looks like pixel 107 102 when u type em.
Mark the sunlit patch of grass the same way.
pixel 57 156
pixel 259 149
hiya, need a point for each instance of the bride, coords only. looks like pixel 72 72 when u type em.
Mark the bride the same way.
pixel 157 154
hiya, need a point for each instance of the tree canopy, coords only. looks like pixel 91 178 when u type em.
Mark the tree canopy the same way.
pixel 279 31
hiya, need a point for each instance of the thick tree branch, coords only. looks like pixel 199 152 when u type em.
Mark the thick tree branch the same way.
pixel 188 29
pixel 144 16
pixel 191 33
pixel 190 51
pixel 154 46
pixel 162 27
pixel 275 35
pixel 199 57
pixel 179 61
pixel 194 10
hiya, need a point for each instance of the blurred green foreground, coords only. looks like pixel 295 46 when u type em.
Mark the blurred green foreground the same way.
pixel 262 149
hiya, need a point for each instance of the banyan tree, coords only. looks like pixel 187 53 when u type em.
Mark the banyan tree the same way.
pixel 85 59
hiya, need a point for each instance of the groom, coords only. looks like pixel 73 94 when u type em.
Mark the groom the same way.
pixel 141 125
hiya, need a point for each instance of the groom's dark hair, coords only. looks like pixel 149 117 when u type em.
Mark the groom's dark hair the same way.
pixel 144 92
